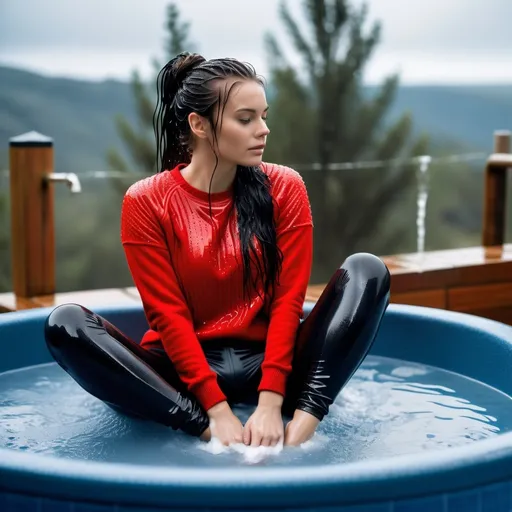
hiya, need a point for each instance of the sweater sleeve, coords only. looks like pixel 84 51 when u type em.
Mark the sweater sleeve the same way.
pixel 295 239
pixel 164 304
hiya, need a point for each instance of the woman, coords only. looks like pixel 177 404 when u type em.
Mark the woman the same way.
pixel 219 245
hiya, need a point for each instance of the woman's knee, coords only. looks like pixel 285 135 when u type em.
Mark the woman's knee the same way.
pixel 64 323
pixel 363 268
pixel 367 265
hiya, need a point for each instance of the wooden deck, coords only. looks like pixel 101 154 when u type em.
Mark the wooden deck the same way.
pixel 476 280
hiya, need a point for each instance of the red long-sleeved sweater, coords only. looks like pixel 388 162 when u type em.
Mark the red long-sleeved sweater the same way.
pixel 189 274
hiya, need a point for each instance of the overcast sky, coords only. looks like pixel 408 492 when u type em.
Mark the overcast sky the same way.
pixel 434 41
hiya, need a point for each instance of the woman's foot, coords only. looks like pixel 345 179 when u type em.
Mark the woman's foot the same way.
pixel 300 429
pixel 206 436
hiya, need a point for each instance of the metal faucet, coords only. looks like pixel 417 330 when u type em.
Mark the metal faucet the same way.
pixel 67 177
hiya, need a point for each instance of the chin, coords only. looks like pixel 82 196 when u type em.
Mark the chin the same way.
pixel 252 161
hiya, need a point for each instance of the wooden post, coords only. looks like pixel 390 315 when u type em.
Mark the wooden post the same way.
pixel 493 232
pixel 32 223
pixel 502 141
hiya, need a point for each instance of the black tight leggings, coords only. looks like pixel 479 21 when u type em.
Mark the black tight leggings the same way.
pixel 332 341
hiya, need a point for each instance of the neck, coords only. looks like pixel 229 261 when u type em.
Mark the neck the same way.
pixel 201 168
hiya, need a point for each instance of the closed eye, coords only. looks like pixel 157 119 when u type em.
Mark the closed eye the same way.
pixel 247 121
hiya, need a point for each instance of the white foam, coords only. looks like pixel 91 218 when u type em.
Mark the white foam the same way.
pixel 250 454
pixel 256 454
pixel 315 443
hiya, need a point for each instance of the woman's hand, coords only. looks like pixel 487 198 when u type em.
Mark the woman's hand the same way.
pixel 265 426
pixel 224 425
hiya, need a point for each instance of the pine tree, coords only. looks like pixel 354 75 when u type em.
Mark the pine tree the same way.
pixel 321 112
pixel 135 159
pixel 139 140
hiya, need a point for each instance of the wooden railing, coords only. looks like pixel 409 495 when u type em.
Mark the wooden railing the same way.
pixel 476 280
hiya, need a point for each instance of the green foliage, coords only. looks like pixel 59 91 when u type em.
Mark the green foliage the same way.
pixel 322 115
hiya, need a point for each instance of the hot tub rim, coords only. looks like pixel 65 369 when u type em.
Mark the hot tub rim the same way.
pixel 452 470
pixel 481 463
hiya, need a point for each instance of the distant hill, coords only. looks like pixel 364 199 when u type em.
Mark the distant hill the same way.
pixel 79 115
pixel 461 114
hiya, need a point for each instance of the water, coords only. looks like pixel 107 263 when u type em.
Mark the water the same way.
pixel 421 202
pixel 390 407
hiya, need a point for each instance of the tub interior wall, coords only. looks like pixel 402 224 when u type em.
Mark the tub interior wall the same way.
pixel 453 342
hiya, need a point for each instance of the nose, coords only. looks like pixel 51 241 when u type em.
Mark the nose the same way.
pixel 264 129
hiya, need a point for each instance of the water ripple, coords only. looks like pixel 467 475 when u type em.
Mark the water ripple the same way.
pixel 390 407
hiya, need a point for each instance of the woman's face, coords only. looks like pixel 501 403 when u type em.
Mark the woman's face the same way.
pixel 242 131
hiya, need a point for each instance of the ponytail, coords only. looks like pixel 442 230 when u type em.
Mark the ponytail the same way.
pixel 172 132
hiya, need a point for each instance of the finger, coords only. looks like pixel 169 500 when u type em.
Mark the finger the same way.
pixel 255 438
pixel 237 438
pixel 246 435
pixel 266 441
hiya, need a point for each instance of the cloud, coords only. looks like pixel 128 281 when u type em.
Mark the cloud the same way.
pixel 111 24
pixel 133 30
pixel 444 25
pixel 138 24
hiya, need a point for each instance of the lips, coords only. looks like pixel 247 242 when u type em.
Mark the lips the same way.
pixel 262 146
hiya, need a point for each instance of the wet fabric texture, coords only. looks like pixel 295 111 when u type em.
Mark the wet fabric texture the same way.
pixel 183 250
pixel 332 342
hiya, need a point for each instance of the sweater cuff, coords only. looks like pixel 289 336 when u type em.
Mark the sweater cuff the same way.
pixel 208 393
pixel 273 380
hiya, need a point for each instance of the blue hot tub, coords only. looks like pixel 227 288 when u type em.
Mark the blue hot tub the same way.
pixel 474 477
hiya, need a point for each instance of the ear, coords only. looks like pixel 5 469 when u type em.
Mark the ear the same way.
pixel 198 125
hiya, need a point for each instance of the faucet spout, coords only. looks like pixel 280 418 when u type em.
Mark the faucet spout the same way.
pixel 70 178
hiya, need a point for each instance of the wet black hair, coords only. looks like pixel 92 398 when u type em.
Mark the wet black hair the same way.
pixel 190 83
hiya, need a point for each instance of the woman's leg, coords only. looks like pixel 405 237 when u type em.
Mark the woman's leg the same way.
pixel 115 369
pixel 337 335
